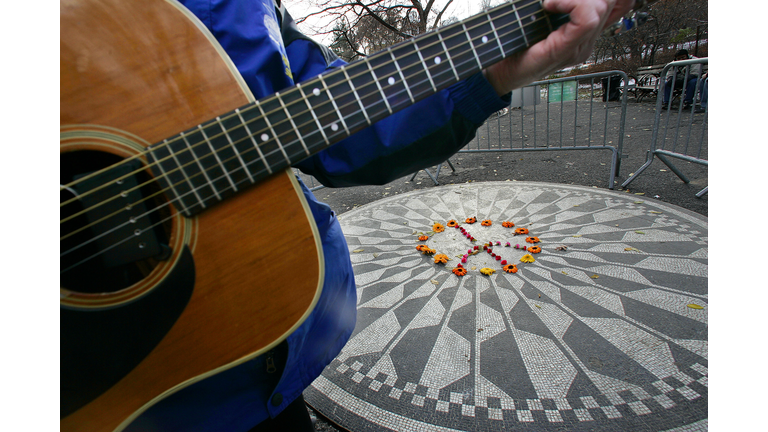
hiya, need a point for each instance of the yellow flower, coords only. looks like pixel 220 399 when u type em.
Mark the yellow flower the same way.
pixel 527 258
pixel 441 258
pixel 438 228
pixel 487 271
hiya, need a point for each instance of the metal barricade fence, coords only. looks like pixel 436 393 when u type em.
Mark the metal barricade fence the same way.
pixel 679 132
pixel 570 119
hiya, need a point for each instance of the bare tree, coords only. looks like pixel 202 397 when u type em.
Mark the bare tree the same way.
pixel 367 26
pixel 670 23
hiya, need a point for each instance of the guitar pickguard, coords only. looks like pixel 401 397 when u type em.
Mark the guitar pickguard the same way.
pixel 100 347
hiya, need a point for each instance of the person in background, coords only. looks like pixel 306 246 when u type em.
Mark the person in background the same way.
pixel 676 76
pixel 704 94
pixel 260 37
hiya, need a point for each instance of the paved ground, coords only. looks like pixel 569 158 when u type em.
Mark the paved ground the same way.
pixel 664 388
pixel 586 168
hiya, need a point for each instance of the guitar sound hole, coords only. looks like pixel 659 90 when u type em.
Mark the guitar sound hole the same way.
pixel 115 223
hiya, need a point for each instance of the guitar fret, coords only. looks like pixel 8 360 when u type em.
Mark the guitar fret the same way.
pixel 520 23
pixel 376 80
pixel 357 96
pixel 237 152
pixel 265 137
pixel 290 118
pixel 202 169
pixel 218 159
pixel 472 45
pixel 171 184
pixel 253 140
pixel 402 77
pixel 314 116
pixel 424 63
pixel 496 35
pixel 330 96
pixel 450 61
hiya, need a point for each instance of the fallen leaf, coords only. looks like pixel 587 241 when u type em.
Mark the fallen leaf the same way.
pixel 695 306
pixel 640 232
pixel 434 282
pixel 577 235
pixel 594 276
pixel 639 193
pixel 638 202
pixel 538 306
pixel 631 249
pixel 563 272
pixel 357 250
pixel 655 212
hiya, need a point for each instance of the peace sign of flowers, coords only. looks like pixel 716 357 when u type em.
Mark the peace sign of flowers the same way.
pixel 459 270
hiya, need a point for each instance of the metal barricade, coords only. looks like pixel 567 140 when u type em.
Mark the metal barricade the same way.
pixel 572 119
pixel 679 132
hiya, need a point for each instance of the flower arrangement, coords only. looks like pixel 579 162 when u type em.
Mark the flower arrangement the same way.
pixel 487 247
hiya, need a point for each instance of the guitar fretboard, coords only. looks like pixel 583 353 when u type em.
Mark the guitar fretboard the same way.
pixel 212 161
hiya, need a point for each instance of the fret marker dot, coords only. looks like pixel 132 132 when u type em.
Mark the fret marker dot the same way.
pixel 334 127
pixel 437 60
pixel 264 137
pixel 316 92
pixel 391 81
pixel 533 18
pixel 485 39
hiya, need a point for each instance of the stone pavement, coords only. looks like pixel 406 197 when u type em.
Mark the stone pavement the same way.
pixel 606 330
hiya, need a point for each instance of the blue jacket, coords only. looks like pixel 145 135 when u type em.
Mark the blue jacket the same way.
pixel 271 54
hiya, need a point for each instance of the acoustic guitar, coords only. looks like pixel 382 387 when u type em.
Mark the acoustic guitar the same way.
pixel 186 245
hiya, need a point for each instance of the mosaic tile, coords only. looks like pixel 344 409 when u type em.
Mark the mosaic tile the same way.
pixel 598 336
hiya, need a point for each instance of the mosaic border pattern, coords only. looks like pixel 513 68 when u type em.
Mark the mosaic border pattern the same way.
pixel 435 352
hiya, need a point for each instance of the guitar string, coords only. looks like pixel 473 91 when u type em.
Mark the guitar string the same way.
pixel 293 143
pixel 227 160
pixel 255 107
pixel 219 178
pixel 129 237
pixel 250 137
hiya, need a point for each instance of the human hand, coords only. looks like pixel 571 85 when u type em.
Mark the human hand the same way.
pixel 572 43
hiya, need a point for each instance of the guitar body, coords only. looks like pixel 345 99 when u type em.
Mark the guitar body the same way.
pixel 223 288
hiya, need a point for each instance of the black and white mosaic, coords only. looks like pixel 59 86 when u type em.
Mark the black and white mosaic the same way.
pixel 595 336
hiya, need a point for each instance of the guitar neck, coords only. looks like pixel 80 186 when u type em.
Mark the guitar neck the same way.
pixel 214 160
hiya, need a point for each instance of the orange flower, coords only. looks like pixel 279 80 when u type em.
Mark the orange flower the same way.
pixel 532 240
pixel 510 268
pixel 421 247
pixel 453 223
pixel 471 220
pixel 441 259
pixel 534 249
pixel 428 251
pixel 521 231
pixel 438 228
pixel 423 238
pixel 459 271
pixel 507 224
pixel 486 222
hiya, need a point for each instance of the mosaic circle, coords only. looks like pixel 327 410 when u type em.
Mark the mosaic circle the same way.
pixel 606 330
